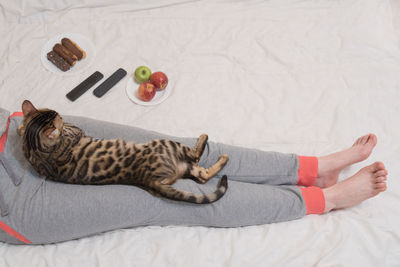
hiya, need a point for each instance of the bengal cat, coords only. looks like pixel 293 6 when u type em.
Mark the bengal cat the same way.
pixel 62 152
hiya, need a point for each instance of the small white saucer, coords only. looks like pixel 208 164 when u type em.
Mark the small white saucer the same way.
pixel 132 93
pixel 83 42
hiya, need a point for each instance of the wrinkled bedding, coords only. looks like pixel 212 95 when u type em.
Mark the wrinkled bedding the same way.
pixel 293 76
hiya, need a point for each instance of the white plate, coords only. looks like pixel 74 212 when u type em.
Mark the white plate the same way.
pixel 80 65
pixel 132 92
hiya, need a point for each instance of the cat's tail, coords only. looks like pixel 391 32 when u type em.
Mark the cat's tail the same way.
pixel 171 193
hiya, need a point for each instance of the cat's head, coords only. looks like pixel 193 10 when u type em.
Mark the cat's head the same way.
pixel 40 125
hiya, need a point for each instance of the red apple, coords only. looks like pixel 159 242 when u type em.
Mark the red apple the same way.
pixel 159 79
pixel 146 91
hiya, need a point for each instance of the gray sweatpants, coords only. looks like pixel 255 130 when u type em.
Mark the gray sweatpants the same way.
pixel 261 189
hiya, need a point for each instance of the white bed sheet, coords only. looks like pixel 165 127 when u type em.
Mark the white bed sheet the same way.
pixel 293 76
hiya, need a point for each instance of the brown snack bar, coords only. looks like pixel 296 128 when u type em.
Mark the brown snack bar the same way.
pixel 65 54
pixel 60 63
pixel 74 48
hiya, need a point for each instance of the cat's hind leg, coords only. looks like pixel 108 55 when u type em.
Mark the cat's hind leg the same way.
pixel 202 175
pixel 199 147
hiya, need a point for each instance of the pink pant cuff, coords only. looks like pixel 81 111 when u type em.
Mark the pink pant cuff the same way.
pixel 308 170
pixel 314 199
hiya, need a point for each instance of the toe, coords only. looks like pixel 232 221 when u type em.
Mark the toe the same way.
pixel 372 139
pixel 368 139
pixel 364 139
pixel 380 179
pixel 381 173
pixel 377 166
pixel 357 142
pixel 374 167
pixel 380 187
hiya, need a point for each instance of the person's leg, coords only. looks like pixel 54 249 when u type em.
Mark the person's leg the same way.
pixel 250 165
pixel 47 212
pixel 59 212
pixel 256 166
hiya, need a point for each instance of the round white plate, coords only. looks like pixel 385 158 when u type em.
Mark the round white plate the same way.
pixel 132 93
pixel 83 42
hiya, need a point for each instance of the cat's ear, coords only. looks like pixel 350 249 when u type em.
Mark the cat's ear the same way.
pixel 52 133
pixel 28 108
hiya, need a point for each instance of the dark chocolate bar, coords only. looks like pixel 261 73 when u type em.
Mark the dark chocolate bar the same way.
pixel 60 63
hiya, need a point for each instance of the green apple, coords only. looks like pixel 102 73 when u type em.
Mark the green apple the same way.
pixel 142 74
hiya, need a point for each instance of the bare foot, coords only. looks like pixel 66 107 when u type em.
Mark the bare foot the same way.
pixel 366 183
pixel 330 166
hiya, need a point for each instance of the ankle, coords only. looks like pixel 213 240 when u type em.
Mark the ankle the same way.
pixel 321 165
pixel 330 198
pixel 332 163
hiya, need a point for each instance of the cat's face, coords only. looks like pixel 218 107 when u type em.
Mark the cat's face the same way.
pixel 43 122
